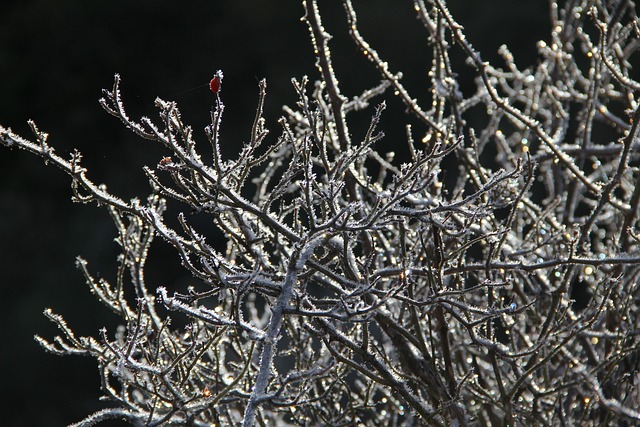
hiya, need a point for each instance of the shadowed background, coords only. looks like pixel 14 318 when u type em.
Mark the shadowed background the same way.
pixel 56 56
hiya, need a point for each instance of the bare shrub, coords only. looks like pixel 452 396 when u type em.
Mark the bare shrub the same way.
pixel 356 290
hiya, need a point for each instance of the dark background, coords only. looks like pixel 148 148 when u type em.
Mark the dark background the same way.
pixel 56 56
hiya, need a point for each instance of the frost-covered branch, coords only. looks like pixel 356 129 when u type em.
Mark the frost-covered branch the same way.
pixel 361 287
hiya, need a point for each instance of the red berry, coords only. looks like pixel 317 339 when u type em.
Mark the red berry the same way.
pixel 214 84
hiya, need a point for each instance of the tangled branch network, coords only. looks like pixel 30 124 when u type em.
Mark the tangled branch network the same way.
pixel 358 290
